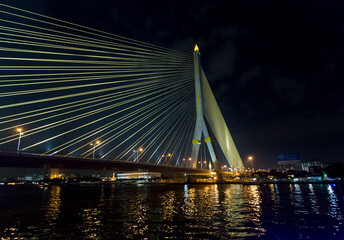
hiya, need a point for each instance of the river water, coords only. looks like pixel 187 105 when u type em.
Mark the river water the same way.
pixel 224 211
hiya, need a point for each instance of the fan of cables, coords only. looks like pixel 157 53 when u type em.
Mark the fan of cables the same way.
pixel 74 90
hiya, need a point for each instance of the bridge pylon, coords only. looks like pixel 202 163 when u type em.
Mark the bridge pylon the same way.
pixel 200 126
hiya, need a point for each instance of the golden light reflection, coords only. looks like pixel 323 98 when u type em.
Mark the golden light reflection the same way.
pixel 54 203
pixel 92 223
pixel 169 210
pixel 168 205
pixel 233 204
pixel 136 210
pixel 255 201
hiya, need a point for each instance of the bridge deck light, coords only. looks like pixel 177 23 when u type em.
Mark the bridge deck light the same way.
pixel 20 131
pixel 137 153
pixel 94 147
pixel 196 48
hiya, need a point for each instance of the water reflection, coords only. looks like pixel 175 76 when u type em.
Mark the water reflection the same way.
pixel 92 224
pixel 53 206
pixel 334 210
pixel 313 199
pixel 254 200
pixel 136 210
pixel 189 202
pixel 168 205
pixel 275 196
pixel 298 200
pixel 234 217
pixel 222 211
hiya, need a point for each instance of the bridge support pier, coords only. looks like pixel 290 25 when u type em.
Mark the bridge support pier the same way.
pixel 219 177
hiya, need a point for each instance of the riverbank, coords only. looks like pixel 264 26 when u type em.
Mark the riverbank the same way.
pixel 117 182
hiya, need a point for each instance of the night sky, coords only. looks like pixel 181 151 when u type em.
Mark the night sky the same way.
pixel 275 67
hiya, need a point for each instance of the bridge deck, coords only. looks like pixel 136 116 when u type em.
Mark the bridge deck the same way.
pixel 32 160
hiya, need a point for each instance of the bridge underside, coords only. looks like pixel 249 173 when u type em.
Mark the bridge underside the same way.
pixel 25 160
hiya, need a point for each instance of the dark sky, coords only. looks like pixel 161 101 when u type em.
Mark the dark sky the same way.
pixel 275 67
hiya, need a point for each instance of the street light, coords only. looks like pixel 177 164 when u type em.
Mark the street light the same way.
pixel 137 153
pixel 20 131
pixel 94 147
pixel 250 158
pixel 189 161
pixel 161 158
pixel 167 159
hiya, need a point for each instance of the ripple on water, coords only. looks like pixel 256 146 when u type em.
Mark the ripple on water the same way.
pixel 233 211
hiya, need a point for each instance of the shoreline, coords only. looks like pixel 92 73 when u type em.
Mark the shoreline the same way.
pixel 164 183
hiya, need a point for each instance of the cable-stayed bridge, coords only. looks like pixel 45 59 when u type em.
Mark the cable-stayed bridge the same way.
pixel 72 93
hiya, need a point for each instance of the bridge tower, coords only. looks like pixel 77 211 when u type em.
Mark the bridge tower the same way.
pixel 201 126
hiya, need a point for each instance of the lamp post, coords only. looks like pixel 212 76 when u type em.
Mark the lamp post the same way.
pixel 167 159
pixel 20 131
pixel 161 158
pixel 250 158
pixel 189 161
pixel 94 147
pixel 137 153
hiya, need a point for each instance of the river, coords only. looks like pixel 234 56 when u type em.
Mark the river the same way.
pixel 162 211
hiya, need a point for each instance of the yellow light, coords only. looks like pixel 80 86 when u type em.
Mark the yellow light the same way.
pixel 250 158
pixel 98 142
pixel 163 155
pixel 196 48
pixel 141 149
pixel 19 129
pixel 189 159
pixel 213 173
pixel 169 155
pixel 183 159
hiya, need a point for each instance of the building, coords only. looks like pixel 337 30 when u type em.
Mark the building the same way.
pixel 309 166
pixel 138 175
pixel 289 161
